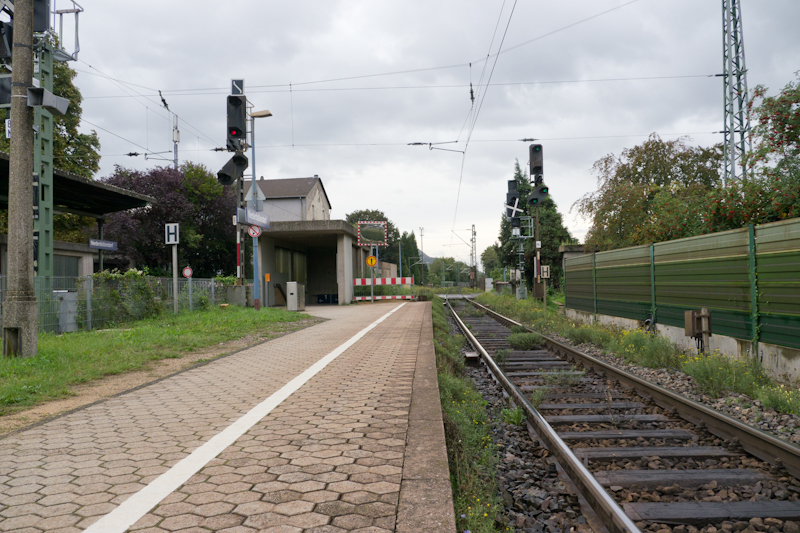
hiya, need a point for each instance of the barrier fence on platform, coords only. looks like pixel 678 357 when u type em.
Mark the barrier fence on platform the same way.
pixel 383 289
pixel 94 302
pixel 748 278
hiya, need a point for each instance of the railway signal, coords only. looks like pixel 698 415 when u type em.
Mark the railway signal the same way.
pixel 536 154
pixel 538 195
pixel 237 122
pixel 233 169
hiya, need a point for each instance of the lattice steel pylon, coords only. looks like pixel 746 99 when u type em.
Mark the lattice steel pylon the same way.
pixel 737 118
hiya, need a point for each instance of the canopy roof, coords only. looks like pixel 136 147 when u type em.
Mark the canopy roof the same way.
pixel 78 195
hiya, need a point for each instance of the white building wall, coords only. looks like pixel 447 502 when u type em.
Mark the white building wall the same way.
pixel 317 207
pixel 284 209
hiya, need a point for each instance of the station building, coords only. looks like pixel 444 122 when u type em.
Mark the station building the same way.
pixel 304 245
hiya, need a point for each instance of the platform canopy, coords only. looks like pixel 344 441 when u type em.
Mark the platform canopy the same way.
pixel 78 195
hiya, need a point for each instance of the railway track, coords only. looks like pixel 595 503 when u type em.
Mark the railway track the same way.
pixel 641 456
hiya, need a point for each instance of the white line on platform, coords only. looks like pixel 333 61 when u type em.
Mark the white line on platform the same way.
pixel 135 507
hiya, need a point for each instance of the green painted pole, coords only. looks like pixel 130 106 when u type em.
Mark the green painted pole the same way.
pixel 594 283
pixel 652 282
pixel 751 230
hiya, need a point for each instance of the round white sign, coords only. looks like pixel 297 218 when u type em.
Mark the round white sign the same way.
pixel 187 272
pixel 254 231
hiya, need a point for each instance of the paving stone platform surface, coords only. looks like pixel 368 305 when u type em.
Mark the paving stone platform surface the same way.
pixel 359 447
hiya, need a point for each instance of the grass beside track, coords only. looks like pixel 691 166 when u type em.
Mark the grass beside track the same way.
pixel 716 374
pixel 470 450
pixel 80 357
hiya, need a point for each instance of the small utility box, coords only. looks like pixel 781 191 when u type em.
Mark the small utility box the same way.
pixel 67 310
pixel 295 296
pixel 236 295
pixel 693 323
pixel 692 326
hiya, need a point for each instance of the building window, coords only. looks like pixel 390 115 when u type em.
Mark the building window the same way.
pixel 291 263
pixel 65 266
pixel 283 261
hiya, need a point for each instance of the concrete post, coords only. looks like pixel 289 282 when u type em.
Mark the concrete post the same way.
pixel 89 289
pixel 344 268
pixel 20 311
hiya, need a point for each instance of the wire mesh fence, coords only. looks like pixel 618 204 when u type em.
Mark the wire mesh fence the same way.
pixel 93 302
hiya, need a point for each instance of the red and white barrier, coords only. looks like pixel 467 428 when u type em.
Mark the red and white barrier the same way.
pixel 395 297
pixel 358 282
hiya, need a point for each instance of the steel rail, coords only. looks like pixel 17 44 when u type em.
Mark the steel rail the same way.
pixel 610 513
pixel 756 442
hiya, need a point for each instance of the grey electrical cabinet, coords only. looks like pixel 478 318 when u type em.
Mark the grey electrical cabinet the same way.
pixel 295 296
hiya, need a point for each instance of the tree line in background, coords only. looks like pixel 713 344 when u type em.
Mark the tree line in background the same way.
pixel 664 190
pixel 190 196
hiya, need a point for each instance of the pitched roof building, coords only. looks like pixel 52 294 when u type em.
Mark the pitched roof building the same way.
pixel 293 199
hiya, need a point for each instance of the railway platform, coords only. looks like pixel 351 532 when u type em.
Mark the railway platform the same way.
pixel 333 428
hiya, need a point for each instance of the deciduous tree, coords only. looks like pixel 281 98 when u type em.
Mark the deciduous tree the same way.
pixel 190 196
pixel 642 193
pixel 390 252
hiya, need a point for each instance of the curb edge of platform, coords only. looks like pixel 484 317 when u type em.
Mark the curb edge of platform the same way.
pixel 426 498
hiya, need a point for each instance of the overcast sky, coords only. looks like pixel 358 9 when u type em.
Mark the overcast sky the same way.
pixel 369 77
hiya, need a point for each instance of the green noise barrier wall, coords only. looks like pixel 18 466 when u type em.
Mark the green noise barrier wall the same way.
pixel 748 278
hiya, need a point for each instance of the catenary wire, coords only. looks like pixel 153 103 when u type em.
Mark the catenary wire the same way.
pixel 121 84
pixel 477 113
pixel 448 86
pixel 123 138
pixel 396 72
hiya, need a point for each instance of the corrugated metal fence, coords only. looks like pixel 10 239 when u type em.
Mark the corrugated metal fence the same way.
pixel 749 278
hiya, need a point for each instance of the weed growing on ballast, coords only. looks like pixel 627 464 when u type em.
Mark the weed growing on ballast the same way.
pixel 515 416
pixel 564 378
pixel 526 341
pixel 501 356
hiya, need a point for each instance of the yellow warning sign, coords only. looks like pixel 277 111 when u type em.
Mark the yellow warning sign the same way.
pixel 372 261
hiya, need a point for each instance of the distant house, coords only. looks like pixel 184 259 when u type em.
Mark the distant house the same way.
pixel 294 199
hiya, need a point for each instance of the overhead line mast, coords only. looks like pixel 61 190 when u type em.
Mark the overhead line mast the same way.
pixel 737 117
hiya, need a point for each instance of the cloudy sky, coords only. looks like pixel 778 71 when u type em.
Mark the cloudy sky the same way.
pixel 351 83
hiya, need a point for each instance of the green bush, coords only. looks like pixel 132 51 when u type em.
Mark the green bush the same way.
pixel 646 349
pixel 526 341
pixel 779 397
pixel 716 374
pixel 518 329
pixel 119 297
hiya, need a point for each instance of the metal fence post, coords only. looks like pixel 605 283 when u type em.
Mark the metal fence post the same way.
pixel 652 282
pixel 754 317
pixel 594 283
pixel 213 303
pixel 191 302
pixel 89 288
